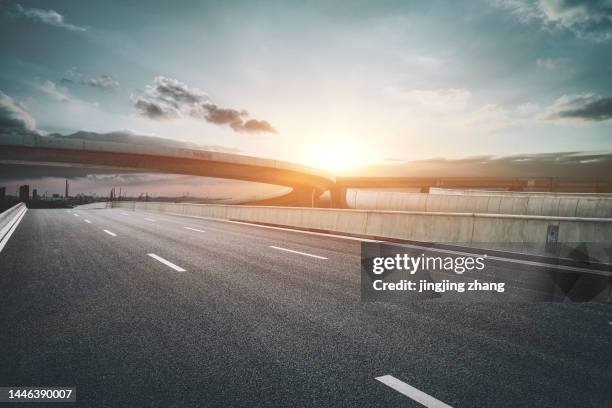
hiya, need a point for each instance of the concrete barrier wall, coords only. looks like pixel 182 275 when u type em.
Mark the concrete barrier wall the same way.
pixel 479 192
pixel 526 234
pixel 554 205
pixel 7 219
pixel 7 215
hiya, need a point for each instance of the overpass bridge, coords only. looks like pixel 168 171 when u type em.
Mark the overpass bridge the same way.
pixel 307 183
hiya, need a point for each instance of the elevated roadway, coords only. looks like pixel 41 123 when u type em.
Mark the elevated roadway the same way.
pixel 307 183
pixel 425 184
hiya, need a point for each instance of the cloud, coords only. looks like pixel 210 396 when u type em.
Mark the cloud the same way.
pixel 550 64
pixel 590 19
pixel 424 62
pixel 49 17
pixel 580 108
pixel 50 88
pixel 527 109
pixel 219 116
pixel 60 94
pixel 457 111
pixel 489 118
pixel 556 164
pixel 253 125
pixel 103 82
pixel 446 100
pixel 14 119
pixel 169 98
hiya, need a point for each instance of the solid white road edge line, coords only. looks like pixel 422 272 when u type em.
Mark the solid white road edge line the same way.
pixel 194 229
pixel 502 259
pixel 167 263
pixel 321 234
pixel 297 252
pixel 8 234
pixel 112 234
pixel 411 392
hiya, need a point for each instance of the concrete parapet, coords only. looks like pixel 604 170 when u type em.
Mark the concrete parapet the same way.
pixel 540 235
pixel 8 219
pixel 554 205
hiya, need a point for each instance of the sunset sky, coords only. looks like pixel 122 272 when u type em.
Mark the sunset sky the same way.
pixel 330 85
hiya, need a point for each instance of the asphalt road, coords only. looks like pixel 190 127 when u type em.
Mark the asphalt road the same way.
pixel 223 314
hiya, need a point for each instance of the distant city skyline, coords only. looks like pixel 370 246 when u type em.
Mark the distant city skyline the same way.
pixel 136 184
pixel 333 85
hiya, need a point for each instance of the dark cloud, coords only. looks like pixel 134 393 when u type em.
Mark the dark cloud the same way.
pixel 168 98
pixel 151 110
pixel 49 17
pixel 586 18
pixel 582 108
pixel 14 119
pixel 104 82
pixel 253 125
pixel 175 92
pixel 219 116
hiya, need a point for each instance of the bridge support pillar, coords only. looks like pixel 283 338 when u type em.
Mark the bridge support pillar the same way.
pixel 299 197
pixel 338 197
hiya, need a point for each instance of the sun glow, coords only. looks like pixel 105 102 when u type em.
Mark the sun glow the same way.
pixel 335 155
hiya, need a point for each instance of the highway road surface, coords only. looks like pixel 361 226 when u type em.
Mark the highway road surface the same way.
pixel 143 309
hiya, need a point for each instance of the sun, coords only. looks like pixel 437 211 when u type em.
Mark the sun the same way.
pixel 335 155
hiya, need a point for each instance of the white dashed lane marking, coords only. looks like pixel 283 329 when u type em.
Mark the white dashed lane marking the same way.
pixel 411 392
pixel 297 252
pixel 112 234
pixel 194 229
pixel 167 263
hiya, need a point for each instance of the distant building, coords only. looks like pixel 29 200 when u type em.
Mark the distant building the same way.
pixel 34 194
pixel 24 193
